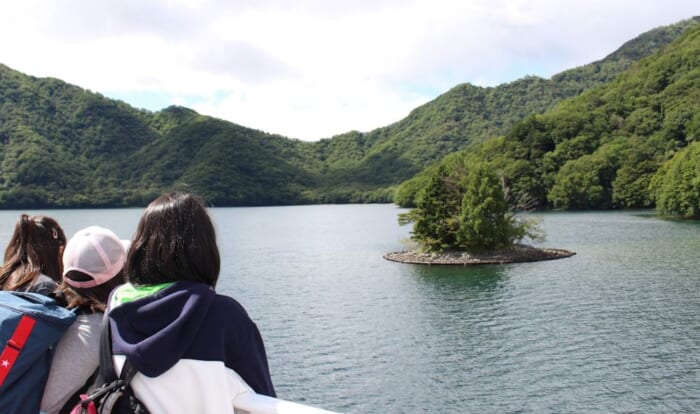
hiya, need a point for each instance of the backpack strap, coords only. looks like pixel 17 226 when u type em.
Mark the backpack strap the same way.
pixel 107 373
pixel 128 372
pixel 14 345
pixel 75 398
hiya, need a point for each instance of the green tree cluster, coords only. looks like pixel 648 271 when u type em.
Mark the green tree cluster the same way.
pixel 464 207
pixel 676 185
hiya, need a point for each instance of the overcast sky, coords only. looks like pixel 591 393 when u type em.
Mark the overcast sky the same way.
pixel 312 69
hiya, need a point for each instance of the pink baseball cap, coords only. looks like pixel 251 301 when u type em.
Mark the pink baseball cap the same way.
pixel 95 251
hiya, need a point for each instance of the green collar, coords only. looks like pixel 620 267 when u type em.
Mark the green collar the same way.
pixel 129 292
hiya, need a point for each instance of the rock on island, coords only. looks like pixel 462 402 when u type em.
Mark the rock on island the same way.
pixel 513 254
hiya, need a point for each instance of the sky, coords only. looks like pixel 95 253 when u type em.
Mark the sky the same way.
pixel 312 69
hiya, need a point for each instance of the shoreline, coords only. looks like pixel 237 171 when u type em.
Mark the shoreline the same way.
pixel 514 254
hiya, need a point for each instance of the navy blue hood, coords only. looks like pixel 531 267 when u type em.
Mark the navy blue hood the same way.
pixel 156 331
pixel 189 320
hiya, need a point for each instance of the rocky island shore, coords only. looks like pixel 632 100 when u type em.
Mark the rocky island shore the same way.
pixel 513 254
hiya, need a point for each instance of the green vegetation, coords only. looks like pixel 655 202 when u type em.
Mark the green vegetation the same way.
pixel 676 185
pixel 63 146
pixel 464 207
pixel 630 143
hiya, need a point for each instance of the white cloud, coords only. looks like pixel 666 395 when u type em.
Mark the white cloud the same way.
pixel 312 68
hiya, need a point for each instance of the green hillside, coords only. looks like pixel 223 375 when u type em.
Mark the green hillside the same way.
pixel 625 144
pixel 64 146
pixel 469 114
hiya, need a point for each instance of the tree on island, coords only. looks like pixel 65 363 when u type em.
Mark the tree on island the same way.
pixel 466 207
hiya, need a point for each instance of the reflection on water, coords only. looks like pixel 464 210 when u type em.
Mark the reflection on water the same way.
pixel 478 278
pixel 457 301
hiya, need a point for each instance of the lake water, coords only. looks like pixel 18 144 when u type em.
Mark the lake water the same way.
pixel 613 329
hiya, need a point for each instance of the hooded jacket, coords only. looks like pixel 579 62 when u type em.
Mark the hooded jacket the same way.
pixel 195 350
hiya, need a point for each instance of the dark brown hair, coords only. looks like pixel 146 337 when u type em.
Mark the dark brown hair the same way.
pixel 174 241
pixel 35 247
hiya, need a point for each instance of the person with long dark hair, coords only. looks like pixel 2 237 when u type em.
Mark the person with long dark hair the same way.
pixel 194 349
pixel 33 256
pixel 93 262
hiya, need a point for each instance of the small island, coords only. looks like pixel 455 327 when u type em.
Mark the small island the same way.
pixel 512 254
pixel 466 215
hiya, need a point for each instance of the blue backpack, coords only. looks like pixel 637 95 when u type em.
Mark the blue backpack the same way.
pixel 30 326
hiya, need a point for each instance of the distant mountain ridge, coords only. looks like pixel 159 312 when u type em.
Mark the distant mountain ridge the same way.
pixel 630 143
pixel 64 146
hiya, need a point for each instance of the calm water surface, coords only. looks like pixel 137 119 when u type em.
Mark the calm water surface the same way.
pixel 613 329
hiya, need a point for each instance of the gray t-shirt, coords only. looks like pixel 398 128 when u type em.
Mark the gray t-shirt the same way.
pixel 43 284
pixel 76 358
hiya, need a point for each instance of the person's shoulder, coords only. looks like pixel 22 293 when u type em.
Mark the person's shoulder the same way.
pixel 87 316
pixel 44 285
pixel 43 279
pixel 229 307
pixel 227 302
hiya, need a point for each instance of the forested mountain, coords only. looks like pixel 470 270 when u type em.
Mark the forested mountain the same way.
pixel 629 143
pixel 469 114
pixel 63 146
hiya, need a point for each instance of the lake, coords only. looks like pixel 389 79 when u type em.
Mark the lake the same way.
pixel 613 329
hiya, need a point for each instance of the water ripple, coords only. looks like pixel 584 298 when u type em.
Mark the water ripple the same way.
pixel 614 329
